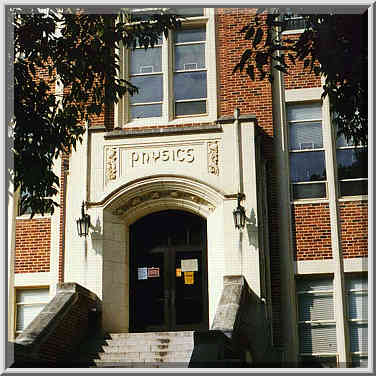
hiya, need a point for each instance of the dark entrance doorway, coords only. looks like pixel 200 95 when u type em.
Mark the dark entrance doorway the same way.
pixel 168 262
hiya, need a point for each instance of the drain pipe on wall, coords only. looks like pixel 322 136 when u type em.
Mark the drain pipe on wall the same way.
pixel 239 164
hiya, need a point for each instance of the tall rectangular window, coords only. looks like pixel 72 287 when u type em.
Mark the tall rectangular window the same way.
pixel 357 300
pixel 146 73
pixel 316 322
pixel 29 302
pixel 352 168
pixel 173 75
pixel 190 87
pixel 306 150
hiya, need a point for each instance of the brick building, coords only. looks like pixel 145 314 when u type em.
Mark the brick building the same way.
pixel 161 188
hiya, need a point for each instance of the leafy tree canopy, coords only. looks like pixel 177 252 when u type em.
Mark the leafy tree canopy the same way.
pixel 79 50
pixel 331 45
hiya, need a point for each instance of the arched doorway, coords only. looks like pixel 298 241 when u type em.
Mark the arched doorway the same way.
pixel 168 279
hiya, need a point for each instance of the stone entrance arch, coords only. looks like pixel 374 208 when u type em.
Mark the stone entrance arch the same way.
pixel 136 200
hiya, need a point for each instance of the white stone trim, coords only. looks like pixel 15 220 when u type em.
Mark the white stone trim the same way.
pixel 358 264
pixel 24 217
pixel 353 198
pixel 314 267
pixel 31 279
pixel 301 95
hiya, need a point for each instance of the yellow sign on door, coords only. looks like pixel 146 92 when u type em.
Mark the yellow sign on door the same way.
pixel 178 272
pixel 188 278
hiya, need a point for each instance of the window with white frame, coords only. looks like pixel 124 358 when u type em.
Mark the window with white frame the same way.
pixel 172 77
pixel 293 21
pixel 357 301
pixel 316 322
pixel 352 168
pixel 306 151
pixel 29 302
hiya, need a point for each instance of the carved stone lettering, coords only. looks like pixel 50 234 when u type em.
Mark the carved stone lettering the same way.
pixel 144 158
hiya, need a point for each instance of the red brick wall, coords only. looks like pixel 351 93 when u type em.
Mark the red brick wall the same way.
pixel 311 232
pixel 298 77
pixel 238 90
pixel 32 245
pixel 354 228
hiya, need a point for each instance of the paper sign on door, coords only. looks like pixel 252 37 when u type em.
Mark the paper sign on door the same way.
pixel 188 278
pixel 190 265
pixel 153 272
pixel 142 273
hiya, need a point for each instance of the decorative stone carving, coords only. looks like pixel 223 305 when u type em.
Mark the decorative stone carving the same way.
pixel 111 164
pixel 213 158
pixel 158 195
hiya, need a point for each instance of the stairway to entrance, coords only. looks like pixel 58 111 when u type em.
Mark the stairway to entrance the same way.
pixel 145 350
pixel 153 349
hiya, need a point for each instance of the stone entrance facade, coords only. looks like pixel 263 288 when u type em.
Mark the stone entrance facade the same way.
pixel 196 171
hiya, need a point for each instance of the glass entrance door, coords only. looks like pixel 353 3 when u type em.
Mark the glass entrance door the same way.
pixel 169 273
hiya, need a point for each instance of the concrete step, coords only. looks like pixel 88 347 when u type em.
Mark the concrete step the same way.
pixel 109 364
pixel 152 356
pixel 150 335
pixel 117 347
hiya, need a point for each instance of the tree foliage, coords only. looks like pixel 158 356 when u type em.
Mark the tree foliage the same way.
pixel 331 45
pixel 77 49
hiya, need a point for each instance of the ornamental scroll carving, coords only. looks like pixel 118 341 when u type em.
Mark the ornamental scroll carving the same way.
pixel 160 195
pixel 213 157
pixel 111 164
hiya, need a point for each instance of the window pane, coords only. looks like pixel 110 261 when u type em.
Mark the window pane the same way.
pixel 319 284
pixel 150 110
pixel 359 361
pixel 357 283
pixel 188 12
pixel 190 108
pixel 305 136
pixel 300 191
pixel 190 85
pixel 358 305
pixel 341 141
pixel 32 295
pixel 188 57
pixel 26 314
pixel 358 337
pixel 322 361
pixel 307 166
pixel 150 89
pixel 304 111
pixel 353 187
pixel 315 307
pixel 317 338
pixel 190 35
pixel 146 61
pixel 352 163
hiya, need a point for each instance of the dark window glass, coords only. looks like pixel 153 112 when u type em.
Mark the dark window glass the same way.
pixel 353 187
pixel 190 108
pixel 301 191
pixel 352 163
pixel 191 85
pixel 307 166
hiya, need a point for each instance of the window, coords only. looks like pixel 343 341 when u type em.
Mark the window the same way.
pixel 307 156
pixel 29 302
pixel 174 77
pixel 357 300
pixel 352 165
pixel 316 322
pixel 293 21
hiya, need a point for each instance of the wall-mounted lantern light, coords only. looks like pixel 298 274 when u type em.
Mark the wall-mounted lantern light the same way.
pixel 83 223
pixel 239 213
